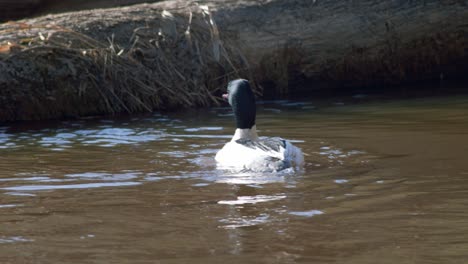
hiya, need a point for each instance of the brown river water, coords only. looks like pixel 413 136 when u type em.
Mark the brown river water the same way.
pixel 384 182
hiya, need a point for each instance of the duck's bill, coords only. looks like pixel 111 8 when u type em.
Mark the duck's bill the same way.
pixel 225 96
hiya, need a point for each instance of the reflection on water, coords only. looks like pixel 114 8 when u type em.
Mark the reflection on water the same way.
pixel 233 223
pixel 307 213
pixel 383 182
pixel 68 186
pixel 253 199
pixel 15 239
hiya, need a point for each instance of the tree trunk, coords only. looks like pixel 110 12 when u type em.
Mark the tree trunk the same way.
pixel 279 44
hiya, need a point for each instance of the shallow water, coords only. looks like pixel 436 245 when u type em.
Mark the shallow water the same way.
pixel 384 182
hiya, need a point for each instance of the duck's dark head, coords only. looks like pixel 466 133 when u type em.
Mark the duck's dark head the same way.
pixel 242 101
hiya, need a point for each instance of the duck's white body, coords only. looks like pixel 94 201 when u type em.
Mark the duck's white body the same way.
pixel 246 151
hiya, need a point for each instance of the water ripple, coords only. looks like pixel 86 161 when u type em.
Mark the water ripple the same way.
pixel 9 205
pixel 14 239
pixel 104 176
pixel 306 213
pixel 70 186
pixel 245 221
pixel 253 199
pixel 197 129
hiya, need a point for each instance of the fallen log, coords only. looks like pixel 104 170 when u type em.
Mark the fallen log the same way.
pixel 177 54
pixel 365 43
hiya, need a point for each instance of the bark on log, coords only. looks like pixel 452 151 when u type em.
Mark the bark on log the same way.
pixel 326 43
pixel 350 43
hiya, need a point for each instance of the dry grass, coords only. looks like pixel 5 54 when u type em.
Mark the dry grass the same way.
pixel 52 72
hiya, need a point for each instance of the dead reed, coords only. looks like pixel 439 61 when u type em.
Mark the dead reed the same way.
pixel 177 60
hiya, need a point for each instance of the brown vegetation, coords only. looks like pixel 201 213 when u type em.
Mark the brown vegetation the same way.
pixel 177 60
pixel 142 58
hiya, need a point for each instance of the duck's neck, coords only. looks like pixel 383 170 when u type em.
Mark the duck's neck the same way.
pixel 246 133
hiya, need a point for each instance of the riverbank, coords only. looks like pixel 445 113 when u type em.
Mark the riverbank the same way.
pixel 160 61
pixel 175 54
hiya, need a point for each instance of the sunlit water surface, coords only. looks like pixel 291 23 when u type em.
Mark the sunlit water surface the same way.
pixel 383 182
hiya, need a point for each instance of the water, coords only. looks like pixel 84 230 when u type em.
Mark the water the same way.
pixel 384 182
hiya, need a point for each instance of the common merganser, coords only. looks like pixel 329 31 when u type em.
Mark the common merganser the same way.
pixel 246 151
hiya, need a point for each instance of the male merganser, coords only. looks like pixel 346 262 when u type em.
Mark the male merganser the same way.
pixel 246 151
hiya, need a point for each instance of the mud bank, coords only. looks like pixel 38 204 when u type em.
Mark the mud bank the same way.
pixel 177 54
